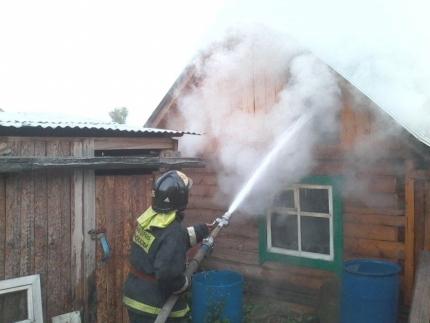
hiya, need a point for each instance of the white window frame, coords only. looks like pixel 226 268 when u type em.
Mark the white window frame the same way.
pixel 31 284
pixel 296 211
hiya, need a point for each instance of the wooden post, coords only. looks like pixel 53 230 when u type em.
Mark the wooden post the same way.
pixel 89 223
pixel 409 231
pixel 2 225
pixel 427 215
pixel 420 308
pixel 77 217
pixel 41 226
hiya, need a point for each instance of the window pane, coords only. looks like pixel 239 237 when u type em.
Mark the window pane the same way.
pixel 285 199
pixel 315 234
pixel 284 231
pixel 13 306
pixel 314 200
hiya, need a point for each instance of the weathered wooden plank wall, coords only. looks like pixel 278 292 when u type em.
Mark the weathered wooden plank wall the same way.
pixel 119 201
pixel 45 217
pixel 37 220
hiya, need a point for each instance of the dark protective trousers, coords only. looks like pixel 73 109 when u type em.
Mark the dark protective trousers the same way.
pixel 139 318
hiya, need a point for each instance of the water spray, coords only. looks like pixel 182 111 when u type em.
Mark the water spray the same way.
pixel 224 220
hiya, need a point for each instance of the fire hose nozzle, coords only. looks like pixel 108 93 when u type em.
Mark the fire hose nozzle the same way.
pixel 227 216
pixel 222 221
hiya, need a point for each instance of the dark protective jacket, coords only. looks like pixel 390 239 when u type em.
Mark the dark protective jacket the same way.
pixel 158 261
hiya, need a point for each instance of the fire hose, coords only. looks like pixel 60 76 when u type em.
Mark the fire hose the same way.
pixel 194 264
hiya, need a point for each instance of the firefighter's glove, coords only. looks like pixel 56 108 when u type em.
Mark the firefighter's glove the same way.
pixel 211 226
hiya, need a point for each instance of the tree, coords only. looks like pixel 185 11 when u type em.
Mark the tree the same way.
pixel 119 115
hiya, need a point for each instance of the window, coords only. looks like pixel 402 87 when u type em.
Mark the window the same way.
pixel 20 300
pixel 300 222
pixel 303 225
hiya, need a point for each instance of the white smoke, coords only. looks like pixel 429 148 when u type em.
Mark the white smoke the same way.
pixel 381 46
pixel 249 89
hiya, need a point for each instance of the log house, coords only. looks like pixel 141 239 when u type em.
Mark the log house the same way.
pixel 391 222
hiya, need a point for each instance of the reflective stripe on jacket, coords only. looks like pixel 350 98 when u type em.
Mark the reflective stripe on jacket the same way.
pixel 141 307
pixel 151 219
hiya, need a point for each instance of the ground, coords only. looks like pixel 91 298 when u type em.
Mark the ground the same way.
pixel 258 309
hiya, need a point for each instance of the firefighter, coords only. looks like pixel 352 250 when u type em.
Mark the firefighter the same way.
pixel 158 252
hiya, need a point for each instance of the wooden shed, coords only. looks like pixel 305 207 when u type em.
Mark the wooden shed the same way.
pixel 394 224
pixel 60 180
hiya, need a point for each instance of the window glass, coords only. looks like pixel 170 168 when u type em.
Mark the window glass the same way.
pixel 315 234
pixel 285 199
pixel 314 200
pixel 13 306
pixel 284 231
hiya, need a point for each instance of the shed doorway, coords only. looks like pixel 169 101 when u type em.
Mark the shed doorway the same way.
pixel 120 199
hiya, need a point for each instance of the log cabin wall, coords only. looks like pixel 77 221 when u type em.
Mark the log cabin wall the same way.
pixel 373 199
pixel 373 227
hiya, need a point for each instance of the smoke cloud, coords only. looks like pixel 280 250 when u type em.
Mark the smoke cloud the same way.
pixel 250 88
pixel 380 46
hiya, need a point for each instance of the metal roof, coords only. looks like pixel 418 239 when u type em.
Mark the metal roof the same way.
pixel 22 120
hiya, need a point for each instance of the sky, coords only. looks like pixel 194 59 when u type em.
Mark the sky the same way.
pixel 88 57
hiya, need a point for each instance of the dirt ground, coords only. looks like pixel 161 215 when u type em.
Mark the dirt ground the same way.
pixel 270 310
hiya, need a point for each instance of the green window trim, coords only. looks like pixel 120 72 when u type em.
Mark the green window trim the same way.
pixel 334 265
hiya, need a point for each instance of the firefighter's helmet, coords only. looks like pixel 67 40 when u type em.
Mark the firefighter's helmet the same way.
pixel 170 192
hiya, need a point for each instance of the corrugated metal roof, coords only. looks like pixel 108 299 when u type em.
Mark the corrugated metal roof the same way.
pixel 51 121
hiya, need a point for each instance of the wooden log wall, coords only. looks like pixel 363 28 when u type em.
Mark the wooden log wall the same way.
pixel 372 163
pixel 236 247
pixel 374 221
pixel 373 212
pixel 42 225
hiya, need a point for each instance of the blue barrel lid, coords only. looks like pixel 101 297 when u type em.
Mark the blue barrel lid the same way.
pixel 371 267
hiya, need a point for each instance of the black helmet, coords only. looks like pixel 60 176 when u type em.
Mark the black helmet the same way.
pixel 170 192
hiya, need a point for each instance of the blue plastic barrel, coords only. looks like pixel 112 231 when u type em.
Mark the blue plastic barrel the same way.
pixel 370 291
pixel 217 296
